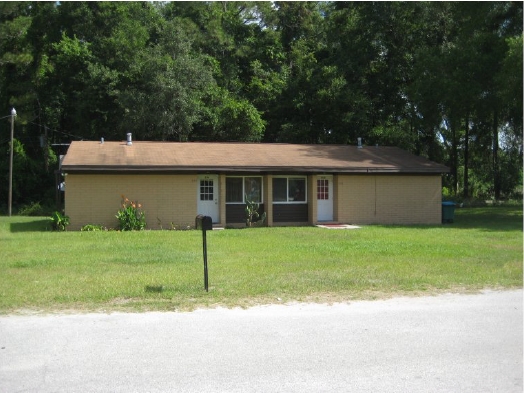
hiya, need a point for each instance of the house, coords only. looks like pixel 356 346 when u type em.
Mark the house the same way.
pixel 295 184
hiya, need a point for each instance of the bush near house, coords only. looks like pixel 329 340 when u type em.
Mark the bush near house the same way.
pixel 59 222
pixel 130 216
pixel 253 217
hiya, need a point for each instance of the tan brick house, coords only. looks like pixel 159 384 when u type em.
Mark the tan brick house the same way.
pixel 295 184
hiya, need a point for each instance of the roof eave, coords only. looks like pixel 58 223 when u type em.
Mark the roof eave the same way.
pixel 244 169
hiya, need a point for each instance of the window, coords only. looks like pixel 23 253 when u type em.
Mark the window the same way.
pixel 279 189
pixel 206 190
pixel 253 188
pixel 289 190
pixel 322 189
pixel 234 192
pixel 238 187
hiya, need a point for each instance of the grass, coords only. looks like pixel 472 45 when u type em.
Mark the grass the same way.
pixel 44 271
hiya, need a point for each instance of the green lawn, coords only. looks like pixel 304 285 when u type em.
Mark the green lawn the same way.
pixel 42 270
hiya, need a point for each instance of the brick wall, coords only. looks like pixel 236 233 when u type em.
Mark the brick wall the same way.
pixel 95 199
pixel 358 199
pixel 393 199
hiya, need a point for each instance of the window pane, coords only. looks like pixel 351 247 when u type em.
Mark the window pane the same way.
pixel 234 190
pixel 279 189
pixel 322 189
pixel 253 188
pixel 206 190
pixel 297 190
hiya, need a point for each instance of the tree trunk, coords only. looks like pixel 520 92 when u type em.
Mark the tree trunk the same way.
pixel 454 158
pixel 496 169
pixel 466 158
pixel 46 151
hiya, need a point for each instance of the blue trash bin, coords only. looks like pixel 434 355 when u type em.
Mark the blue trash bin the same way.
pixel 448 212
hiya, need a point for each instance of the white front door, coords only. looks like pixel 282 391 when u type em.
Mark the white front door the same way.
pixel 207 196
pixel 325 198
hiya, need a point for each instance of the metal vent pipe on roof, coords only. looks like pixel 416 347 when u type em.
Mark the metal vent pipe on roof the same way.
pixel 359 140
pixel 129 139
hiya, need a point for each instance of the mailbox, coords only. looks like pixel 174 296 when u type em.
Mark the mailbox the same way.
pixel 204 223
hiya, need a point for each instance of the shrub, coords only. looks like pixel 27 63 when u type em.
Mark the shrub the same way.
pixel 59 222
pixel 446 193
pixel 93 228
pixel 252 213
pixel 32 209
pixel 130 217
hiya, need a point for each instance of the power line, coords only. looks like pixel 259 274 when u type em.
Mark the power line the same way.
pixel 28 138
pixel 51 129
pixel 57 131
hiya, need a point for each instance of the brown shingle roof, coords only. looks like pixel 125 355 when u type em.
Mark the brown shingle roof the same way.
pixel 87 156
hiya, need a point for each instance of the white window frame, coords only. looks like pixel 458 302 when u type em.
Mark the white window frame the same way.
pixel 244 189
pixel 288 177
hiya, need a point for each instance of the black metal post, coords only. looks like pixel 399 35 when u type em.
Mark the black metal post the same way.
pixel 204 243
pixel 204 223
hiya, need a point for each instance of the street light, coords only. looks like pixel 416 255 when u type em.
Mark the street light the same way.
pixel 13 115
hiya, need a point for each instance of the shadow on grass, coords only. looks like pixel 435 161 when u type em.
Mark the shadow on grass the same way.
pixel 155 288
pixel 39 225
pixel 489 219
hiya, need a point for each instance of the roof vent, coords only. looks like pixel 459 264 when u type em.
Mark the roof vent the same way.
pixel 101 141
pixel 129 139
pixel 359 141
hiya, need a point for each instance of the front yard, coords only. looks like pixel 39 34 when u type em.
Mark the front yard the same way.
pixel 44 271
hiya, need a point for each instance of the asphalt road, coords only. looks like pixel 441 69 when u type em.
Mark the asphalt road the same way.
pixel 448 343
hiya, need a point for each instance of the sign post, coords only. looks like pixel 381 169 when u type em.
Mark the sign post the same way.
pixel 204 223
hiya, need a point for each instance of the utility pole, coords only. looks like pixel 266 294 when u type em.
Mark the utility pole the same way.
pixel 13 115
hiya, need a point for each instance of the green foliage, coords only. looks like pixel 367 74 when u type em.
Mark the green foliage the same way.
pixel 446 193
pixel 32 184
pixel 59 222
pixel 441 79
pixel 32 209
pixel 15 50
pixel 253 217
pixel 177 77
pixel 130 216
pixel 70 51
pixel 240 121
pixel 93 228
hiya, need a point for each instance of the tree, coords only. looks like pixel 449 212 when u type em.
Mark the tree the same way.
pixel 440 79
pixel 455 86
pixel 170 82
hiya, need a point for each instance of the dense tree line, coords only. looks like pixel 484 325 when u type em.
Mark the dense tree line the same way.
pixel 440 79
